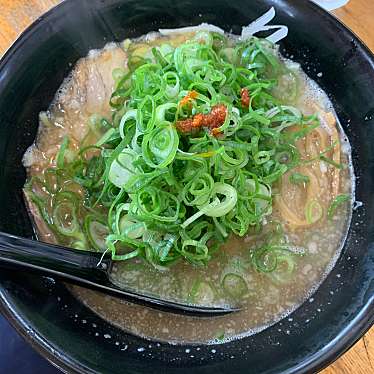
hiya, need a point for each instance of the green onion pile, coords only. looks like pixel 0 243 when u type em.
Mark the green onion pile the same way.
pixel 154 192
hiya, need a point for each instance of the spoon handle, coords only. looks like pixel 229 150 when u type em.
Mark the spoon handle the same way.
pixel 52 259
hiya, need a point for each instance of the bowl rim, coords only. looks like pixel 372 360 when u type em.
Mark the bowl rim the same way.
pixel 321 359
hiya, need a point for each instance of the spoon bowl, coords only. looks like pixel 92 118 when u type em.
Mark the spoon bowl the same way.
pixel 90 269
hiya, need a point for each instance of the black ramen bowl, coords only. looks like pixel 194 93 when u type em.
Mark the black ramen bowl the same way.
pixel 72 336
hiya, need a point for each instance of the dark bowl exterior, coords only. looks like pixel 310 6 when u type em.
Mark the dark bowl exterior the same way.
pixel 77 340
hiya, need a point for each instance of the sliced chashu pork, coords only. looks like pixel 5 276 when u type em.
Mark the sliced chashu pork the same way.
pixel 85 92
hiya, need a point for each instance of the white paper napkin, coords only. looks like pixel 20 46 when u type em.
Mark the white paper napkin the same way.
pixel 331 4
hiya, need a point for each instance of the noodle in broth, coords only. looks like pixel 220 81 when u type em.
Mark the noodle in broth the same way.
pixel 255 270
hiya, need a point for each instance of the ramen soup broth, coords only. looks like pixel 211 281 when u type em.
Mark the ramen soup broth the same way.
pixel 253 271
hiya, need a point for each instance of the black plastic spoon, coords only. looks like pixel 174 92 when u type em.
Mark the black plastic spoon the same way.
pixel 85 268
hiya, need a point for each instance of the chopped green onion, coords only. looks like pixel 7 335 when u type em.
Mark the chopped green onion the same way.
pixel 96 231
pixel 60 159
pixel 338 200
pixel 201 293
pixel 160 146
pixel 64 215
pixel 297 178
pixel 285 268
pixel 122 168
pixel 234 285
pixel 313 212
pixel 332 162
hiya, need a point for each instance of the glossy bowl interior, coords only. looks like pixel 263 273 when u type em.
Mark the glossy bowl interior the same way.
pixel 76 339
